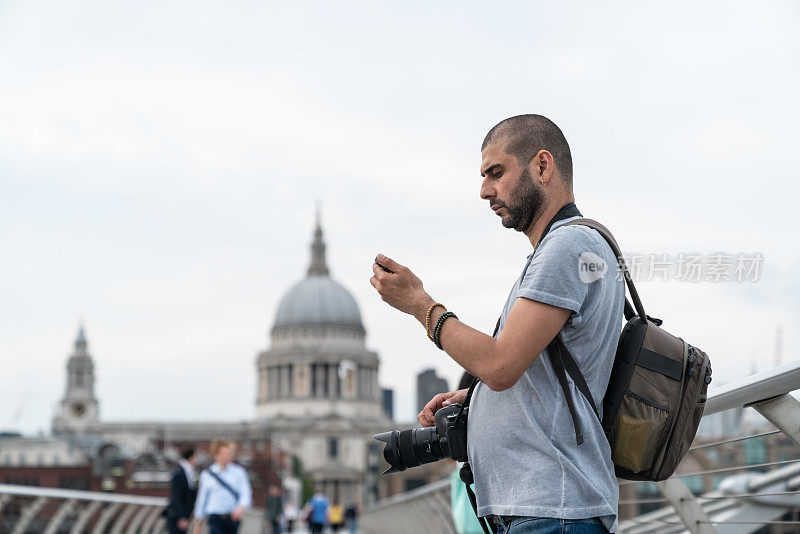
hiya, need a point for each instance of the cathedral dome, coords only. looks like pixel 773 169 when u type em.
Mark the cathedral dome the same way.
pixel 318 300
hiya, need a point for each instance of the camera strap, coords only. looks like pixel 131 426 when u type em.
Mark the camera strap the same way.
pixel 466 477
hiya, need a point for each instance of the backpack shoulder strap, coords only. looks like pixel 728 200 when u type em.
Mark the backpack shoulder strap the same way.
pixel 603 231
pixel 224 484
pixel 563 361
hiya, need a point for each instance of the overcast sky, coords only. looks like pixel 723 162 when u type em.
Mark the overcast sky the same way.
pixel 160 163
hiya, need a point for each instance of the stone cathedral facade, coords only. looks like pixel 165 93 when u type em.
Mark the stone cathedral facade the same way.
pixel 318 383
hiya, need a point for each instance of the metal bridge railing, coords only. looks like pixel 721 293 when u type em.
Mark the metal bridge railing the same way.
pixel 25 509
pixel 36 510
pixel 745 501
pixel 425 509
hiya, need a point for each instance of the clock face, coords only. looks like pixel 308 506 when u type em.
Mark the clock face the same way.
pixel 78 409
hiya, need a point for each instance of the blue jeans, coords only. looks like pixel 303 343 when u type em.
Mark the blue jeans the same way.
pixel 549 525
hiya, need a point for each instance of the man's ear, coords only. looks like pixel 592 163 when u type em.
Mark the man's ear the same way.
pixel 543 166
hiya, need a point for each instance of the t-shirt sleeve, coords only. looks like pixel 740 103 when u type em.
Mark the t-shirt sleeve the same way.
pixel 554 275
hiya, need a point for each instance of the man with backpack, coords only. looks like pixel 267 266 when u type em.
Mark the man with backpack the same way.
pixel 224 492
pixel 317 508
pixel 540 458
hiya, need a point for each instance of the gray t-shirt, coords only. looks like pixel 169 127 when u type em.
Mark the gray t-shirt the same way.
pixel 521 441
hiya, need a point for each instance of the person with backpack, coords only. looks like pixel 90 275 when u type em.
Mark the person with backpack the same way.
pixel 317 508
pixel 540 459
pixel 224 492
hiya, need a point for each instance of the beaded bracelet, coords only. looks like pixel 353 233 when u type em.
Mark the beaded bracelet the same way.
pixel 428 318
pixel 437 331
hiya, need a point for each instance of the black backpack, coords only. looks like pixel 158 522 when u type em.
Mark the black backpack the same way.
pixel 657 390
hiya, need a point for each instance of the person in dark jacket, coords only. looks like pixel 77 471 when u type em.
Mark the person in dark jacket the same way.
pixel 182 493
pixel 274 509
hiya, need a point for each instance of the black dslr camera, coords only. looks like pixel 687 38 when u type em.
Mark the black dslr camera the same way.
pixel 410 448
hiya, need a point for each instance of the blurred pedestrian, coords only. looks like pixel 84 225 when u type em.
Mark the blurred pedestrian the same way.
pixel 351 516
pixel 224 492
pixel 182 493
pixel 336 515
pixel 291 514
pixel 274 509
pixel 318 512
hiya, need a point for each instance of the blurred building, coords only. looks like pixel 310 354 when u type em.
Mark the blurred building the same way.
pixel 388 402
pixel 79 408
pixel 727 423
pixel 318 400
pixel 429 385
pixel 97 464
pixel 318 387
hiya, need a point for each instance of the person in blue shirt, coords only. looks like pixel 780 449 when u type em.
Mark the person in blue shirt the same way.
pixel 224 492
pixel 318 505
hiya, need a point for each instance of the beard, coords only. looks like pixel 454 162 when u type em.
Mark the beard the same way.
pixel 526 203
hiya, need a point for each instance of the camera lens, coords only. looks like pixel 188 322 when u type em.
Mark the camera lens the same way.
pixel 410 448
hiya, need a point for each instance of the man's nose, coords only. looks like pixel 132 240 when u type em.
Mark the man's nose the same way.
pixel 487 191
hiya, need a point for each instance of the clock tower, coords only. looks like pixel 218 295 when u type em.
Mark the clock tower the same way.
pixel 79 409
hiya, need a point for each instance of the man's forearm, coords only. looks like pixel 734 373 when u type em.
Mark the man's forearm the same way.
pixel 499 363
pixel 471 349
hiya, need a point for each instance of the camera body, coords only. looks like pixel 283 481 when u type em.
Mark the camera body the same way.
pixel 446 439
pixel 452 432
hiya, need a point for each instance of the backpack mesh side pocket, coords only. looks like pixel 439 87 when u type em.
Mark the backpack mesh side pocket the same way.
pixel 640 426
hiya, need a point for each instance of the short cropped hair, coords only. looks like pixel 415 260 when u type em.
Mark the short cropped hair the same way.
pixel 187 453
pixel 526 135
pixel 217 444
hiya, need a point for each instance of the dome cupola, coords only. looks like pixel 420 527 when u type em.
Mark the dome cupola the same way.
pixel 318 300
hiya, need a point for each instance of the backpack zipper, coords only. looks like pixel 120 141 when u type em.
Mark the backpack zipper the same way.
pixel 687 366
pixel 699 393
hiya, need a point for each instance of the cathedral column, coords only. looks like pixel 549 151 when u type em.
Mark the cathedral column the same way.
pixel 274 382
pixel 284 374
pixel 262 385
pixel 363 382
pixel 302 382
pixel 319 380
pixel 349 386
pixel 333 380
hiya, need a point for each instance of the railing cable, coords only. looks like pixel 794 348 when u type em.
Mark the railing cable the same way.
pixel 737 495
pixel 719 470
pixel 751 522
pixel 734 440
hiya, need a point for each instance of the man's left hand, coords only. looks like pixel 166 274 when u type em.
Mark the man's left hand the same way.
pixel 400 288
pixel 236 515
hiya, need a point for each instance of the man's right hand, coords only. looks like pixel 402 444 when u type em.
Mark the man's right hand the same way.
pixel 183 524
pixel 426 416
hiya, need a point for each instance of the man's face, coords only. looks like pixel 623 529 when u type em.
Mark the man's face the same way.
pixel 512 192
pixel 224 455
